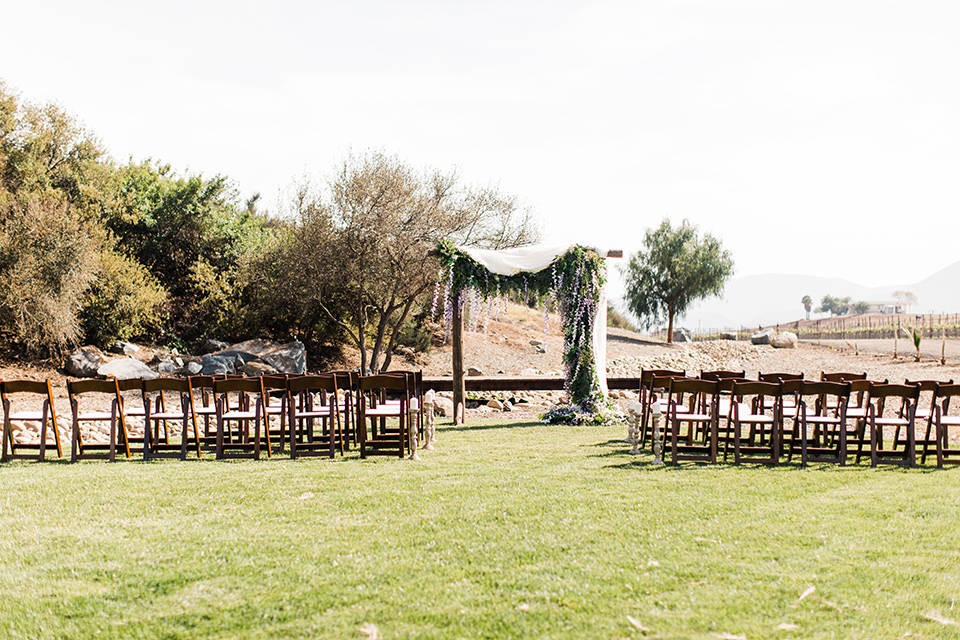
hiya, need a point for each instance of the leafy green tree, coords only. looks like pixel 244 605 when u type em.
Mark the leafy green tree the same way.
pixel 835 306
pixel 807 303
pixel 675 268
pixel 860 307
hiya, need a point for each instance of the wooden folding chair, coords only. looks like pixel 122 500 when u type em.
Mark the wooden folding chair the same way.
pixel 383 438
pixel 274 394
pixel 750 411
pixel 924 413
pixel 788 402
pixel 943 421
pixel 131 408
pixel 654 386
pixel 701 418
pixel 167 400
pixel 99 392
pixel 239 406
pixel 15 395
pixel 822 418
pixel 314 416
pixel 901 452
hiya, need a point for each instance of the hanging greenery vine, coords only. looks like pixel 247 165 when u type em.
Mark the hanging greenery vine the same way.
pixel 575 281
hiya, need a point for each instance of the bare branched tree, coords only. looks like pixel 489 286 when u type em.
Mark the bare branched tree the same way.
pixel 360 246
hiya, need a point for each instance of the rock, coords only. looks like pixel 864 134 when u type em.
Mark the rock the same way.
pixel 495 404
pixel 126 369
pixel 212 346
pixel 287 358
pixel 682 335
pixel 784 340
pixel 763 337
pixel 193 368
pixel 473 371
pixel 728 335
pixel 167 366
pixel 257 368
pixel 215 365
pixel 124 348
pixel 507 406
pixel 84 362
pixel 443 406
pixel 536 343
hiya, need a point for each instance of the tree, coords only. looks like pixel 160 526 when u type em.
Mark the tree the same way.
pixel 835 306
pixel 356 255
pixel 675 268
pixel 807 303
pixel 904 300
pixel 860 307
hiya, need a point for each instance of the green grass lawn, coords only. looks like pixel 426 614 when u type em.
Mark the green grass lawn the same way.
pixel 505 531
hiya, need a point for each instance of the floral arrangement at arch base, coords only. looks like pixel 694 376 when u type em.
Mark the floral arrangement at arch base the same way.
pixel 575 282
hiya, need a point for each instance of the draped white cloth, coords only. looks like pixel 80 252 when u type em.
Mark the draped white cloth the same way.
pixel 508 262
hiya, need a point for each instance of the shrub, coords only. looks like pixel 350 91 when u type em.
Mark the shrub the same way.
pixel 125 301
pixel 47 262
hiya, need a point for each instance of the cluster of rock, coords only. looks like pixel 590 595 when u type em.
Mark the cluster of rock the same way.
pixel 697 356
pixel 778 340
pixel 253 357
pixel 28 432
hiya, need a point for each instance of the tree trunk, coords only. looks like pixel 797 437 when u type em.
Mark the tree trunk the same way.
pixel 670 323
pixel 362 335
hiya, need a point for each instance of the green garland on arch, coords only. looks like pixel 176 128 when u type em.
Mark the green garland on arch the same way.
pixel 575 280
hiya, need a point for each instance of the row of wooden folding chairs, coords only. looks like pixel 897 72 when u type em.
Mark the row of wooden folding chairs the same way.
pixel 833 418
pixel 232 416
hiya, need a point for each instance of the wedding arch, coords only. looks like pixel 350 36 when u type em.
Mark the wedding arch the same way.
pixel 574 276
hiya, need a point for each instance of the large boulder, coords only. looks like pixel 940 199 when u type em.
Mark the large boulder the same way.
pixel 764 336
pixel 124 348
pixel 257 368
pixel 443 406
pixel 126 369
pixel 212 346
pixel 682 335
pixel 785 340
pixel 285 358
pixel 214 365
pixel 84 362
pixel 728 335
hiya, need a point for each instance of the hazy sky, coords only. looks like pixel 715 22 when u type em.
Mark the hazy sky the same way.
pixel 811 137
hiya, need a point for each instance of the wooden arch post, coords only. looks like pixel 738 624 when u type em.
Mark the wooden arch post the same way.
pixel 459 383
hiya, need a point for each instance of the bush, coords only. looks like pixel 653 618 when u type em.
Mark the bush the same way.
pixel 124 302
pixel 47 262
pixel 617 320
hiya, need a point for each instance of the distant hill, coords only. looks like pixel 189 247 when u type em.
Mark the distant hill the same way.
pixel 769 299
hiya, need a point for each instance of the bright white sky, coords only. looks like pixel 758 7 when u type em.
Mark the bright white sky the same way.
pixel 813 137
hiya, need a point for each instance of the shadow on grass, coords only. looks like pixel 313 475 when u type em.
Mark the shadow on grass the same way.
pixel 487 427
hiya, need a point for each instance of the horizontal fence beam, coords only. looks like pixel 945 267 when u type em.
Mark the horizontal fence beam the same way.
pixel 517 383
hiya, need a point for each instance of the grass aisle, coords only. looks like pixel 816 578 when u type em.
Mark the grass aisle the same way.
pixel 505 531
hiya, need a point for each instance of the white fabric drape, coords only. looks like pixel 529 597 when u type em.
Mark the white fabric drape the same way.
pixel 508 262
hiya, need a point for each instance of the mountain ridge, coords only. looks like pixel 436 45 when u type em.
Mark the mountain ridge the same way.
pixel 768 299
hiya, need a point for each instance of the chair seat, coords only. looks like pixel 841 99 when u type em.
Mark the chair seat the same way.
pixel 30 415
pixel 168 415
pixel 95 415
pixel 239 415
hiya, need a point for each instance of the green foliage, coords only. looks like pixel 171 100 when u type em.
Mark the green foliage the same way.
pixel 576 280
pixel 125 301
pixel 860 307
pixel 835 306
pixel 47 261
pixel 675 268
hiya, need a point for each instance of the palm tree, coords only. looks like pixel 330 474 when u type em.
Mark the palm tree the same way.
pixel 807 305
